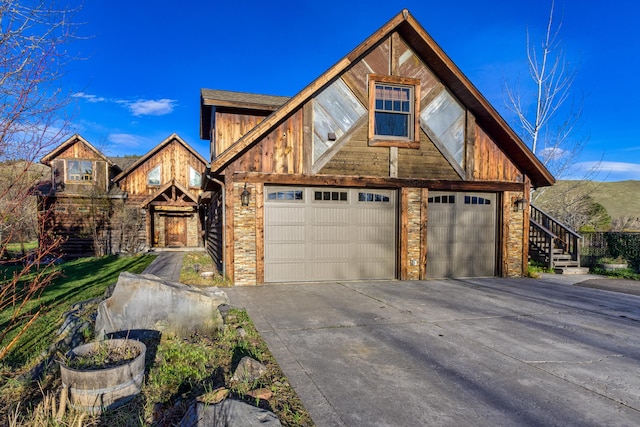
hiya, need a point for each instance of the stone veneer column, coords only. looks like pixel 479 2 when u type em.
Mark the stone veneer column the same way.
pixel 514 235
pixel 414 204
pixel 244 244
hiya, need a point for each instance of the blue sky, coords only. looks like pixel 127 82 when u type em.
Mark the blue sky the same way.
pixel 143 62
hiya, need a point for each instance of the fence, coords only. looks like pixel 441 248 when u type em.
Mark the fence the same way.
pixel 594 246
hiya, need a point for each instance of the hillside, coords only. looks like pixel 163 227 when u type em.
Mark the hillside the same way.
pixel 620 198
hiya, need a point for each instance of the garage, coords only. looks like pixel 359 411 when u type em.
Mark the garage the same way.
pixel 461 234
pixel 321 234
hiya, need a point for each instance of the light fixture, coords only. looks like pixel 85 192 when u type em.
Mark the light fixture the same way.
pixel 244 196
pixel 520 204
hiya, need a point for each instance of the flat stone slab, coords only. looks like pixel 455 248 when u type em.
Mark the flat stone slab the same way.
pixel 147 302
pixel 229 413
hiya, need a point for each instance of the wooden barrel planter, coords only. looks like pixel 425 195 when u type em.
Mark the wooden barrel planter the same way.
pixel 97 388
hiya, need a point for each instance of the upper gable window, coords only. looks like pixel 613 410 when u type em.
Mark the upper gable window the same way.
pixel 393 103
pixel 79 171
pixel 153 177
pixel 195 178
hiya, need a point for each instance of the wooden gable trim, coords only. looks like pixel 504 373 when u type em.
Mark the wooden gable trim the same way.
pixel 155 150
pixel 444 68
pixel 68 143
pixel 164 188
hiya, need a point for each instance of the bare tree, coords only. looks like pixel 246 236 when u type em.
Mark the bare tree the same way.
pixel 547 110
pixel 549 115
pixel 33 56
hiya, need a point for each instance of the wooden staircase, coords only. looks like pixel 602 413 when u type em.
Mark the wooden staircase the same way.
pixel 553 244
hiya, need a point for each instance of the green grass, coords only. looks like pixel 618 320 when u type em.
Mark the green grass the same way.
pixel 623 273
pixel 621 198
pixel 15 249
pixel 178 370
pixel 79 280
pixel 195 263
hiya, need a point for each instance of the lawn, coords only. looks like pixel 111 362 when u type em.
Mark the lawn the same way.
pixel 178 371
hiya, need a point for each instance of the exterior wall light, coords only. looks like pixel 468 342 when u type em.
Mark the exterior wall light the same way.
pixel 244 196
pixel 520 204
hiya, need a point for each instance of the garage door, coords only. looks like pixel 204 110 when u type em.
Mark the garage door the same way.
pixel 321 234
pixel 461 234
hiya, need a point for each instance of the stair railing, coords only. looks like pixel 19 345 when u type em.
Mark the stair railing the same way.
pixel 547 234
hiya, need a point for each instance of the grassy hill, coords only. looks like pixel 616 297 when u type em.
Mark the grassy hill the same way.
pixel 621 198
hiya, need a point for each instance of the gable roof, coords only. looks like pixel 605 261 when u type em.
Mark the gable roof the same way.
pixel 69 142
pixel 154 150
pixel 443 67
pixel 210 98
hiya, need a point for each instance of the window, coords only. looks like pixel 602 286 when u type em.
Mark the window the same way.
pixel 448 199
pixel 195 178
pixel 393 102
pixel 153 177
pixel 79 171
pixel 373 197
pixel 336 196
pixel 285 195
pixel 473 200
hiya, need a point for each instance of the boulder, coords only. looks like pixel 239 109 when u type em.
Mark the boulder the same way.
pixel 147 302
pixel 248 370
pixel 229 413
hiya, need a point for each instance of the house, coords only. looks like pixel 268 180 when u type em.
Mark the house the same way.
pixel 390 165
pixel 107 205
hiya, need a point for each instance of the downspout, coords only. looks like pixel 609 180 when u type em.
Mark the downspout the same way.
pixel 224 224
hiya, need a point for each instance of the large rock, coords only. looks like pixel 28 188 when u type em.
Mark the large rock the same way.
pixel 229 413
pixel 147 302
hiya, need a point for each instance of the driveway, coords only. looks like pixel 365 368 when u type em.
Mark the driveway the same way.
pixel 499 352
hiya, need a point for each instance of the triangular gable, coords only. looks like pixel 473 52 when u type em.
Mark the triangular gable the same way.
pixel 173 196
pixel 156 149
pixel 443 67
pixel 68 143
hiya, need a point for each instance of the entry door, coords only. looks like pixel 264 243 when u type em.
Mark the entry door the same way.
pixel 175 231
pixel 461 234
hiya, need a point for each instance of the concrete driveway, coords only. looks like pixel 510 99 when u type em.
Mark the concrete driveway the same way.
pixel 485 352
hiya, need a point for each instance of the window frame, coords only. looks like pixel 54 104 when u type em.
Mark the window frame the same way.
pixel 194 171
pixel 413 140
pixel 81 175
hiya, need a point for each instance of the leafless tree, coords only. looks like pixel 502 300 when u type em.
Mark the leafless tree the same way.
pixel 549 136
pixel 549 114
pixel 34 36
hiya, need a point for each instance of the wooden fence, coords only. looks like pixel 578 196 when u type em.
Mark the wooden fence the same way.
pixel 594 246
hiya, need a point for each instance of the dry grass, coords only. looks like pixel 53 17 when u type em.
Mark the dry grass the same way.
pixel 196 263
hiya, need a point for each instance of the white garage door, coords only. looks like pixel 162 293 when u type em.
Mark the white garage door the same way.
pixel 461 234
pixel 321 234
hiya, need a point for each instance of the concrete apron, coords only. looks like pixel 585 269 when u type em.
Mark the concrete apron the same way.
pixel 498 352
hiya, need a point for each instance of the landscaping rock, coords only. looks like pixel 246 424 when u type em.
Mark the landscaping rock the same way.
pixel 248 370
pixel 145 301
pixel 230 413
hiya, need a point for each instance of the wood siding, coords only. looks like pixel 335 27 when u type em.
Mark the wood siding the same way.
pixel 280 151
pixel 174 160
pixel 490 163
pixel 230 127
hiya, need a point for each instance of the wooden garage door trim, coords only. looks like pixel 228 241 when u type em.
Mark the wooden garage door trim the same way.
pixel 318 234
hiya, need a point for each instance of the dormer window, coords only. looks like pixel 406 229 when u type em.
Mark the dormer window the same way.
pixel 393 103
pixel 79 171
pixel 153 177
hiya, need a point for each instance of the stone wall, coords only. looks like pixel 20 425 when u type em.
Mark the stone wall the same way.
pixel 513 221
pixel 414 225
pixel 244 242
pixel 193 231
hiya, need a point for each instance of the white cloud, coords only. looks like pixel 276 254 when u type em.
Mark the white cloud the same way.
pixel 612 171
pixel 125 139
pixel 89 97
pixel 553 153
pixel 141 107
pixel 151 107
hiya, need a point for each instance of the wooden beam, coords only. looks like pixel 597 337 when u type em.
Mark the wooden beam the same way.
pixel 378 182
pixel 229 201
